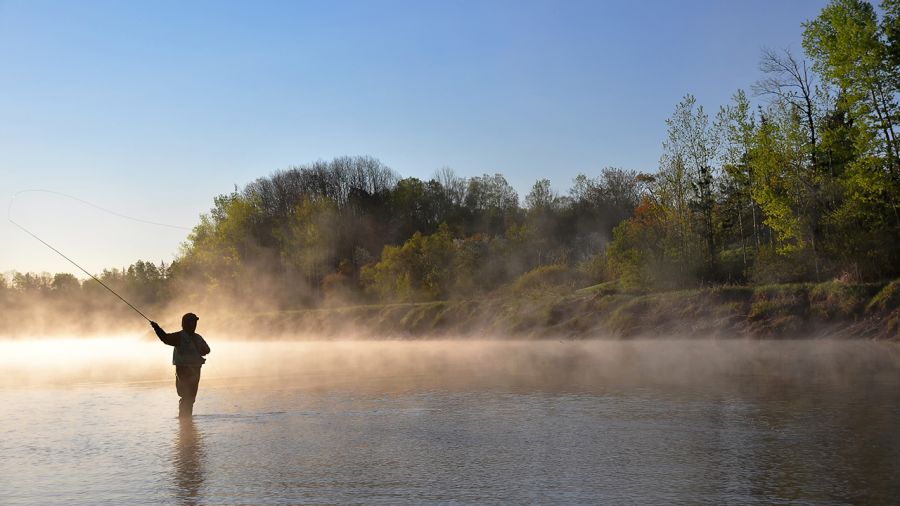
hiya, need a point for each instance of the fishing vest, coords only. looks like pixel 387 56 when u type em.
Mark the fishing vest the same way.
pixel 186 353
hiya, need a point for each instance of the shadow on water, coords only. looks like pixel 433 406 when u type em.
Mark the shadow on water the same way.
pixel 188 456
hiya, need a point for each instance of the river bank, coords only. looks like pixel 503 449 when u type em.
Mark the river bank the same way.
pixel 540 311
pixel 833 310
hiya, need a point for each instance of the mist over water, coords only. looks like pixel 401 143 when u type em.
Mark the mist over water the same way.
pixel 544 364
pixel 92 421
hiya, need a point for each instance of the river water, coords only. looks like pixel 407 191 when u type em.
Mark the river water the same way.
pixel 92 421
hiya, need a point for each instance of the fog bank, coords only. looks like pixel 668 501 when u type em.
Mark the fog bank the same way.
pixel 566 365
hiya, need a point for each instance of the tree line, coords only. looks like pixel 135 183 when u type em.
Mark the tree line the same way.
pixel 803 185
pixel 352 230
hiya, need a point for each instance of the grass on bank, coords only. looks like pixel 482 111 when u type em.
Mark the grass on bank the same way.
pixel 547 305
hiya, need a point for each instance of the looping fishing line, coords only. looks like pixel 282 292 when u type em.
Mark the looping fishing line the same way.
pixel 60 253
pixel 91 204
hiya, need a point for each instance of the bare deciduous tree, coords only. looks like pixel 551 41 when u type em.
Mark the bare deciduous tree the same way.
pixel 788 80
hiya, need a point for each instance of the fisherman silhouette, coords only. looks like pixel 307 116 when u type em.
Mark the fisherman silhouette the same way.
pixel 187 358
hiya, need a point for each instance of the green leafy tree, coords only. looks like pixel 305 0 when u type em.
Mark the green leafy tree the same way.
pixel 692 147
pixel 774 165
pixel 851 49
pixel 736 125
pixel 420 269
pixel 649 252
pixel 310 243
pixel 65 284
pixel 492 203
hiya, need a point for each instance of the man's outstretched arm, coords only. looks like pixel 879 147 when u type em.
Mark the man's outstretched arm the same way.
pixel 170 339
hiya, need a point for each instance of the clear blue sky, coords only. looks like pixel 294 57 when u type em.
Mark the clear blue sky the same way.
pixel 152 108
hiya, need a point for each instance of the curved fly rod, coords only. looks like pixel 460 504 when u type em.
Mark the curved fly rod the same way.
pixel 60 253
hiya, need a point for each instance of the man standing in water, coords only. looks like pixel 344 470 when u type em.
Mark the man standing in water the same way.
pixel 188 359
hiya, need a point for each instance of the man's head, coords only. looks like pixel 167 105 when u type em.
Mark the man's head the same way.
pixel 189 322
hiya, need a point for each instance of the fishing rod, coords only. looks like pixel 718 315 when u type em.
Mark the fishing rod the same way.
pixel 60 253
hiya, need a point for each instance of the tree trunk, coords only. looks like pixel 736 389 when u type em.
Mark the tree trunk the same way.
pixel 743 240
pixel 891 156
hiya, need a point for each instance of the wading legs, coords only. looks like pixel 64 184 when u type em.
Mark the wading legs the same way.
pixel 187 381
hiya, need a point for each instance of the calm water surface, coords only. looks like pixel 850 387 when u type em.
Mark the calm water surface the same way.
pixel 396 423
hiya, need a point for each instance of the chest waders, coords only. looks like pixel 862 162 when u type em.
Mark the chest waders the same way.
pixel 187 362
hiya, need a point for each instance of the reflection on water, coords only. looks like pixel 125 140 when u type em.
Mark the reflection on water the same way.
pixel 470 423
pixel 188 459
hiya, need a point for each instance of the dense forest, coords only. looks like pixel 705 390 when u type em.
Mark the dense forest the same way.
pixel 802 184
